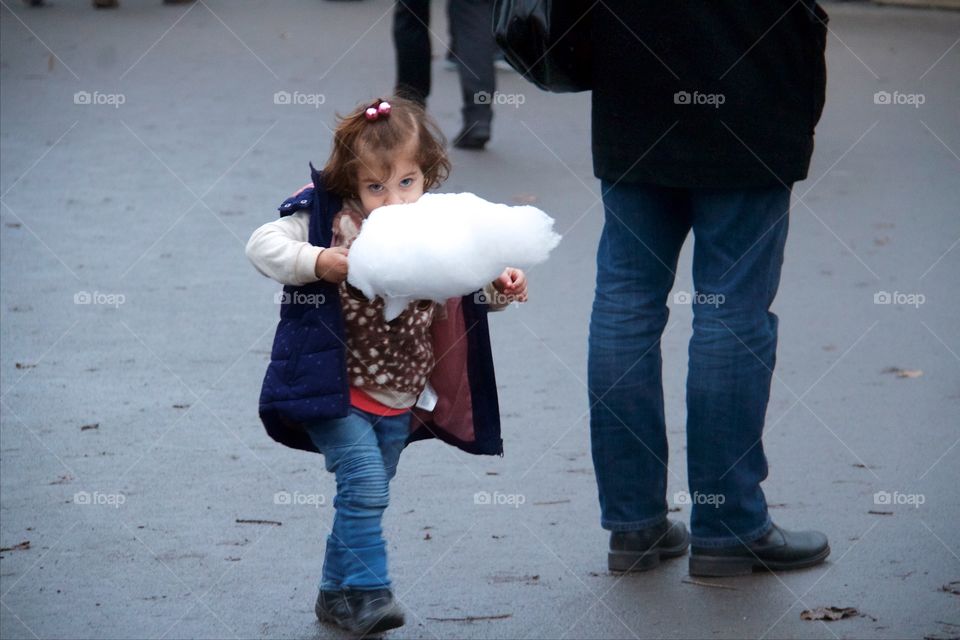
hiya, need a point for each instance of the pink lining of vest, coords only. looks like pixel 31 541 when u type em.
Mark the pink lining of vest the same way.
pixel 454 410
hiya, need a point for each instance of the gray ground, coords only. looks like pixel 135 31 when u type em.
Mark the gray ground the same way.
pixel 146 206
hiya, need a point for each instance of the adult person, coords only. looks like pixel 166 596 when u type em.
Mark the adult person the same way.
pixel 472 47
pixel 703 118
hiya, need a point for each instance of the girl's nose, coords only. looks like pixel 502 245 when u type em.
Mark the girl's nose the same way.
pixel 394 198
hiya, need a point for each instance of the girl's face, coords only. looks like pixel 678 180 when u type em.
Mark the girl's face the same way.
pixel 404 185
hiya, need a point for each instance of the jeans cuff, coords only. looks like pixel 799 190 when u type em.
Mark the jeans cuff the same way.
pixel 636 525
pixel 734 540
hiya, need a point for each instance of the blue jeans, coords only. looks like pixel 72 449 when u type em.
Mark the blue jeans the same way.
pixel 739 237
pixel 362 449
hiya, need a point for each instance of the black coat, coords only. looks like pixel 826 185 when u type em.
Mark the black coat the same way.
pixel 706 93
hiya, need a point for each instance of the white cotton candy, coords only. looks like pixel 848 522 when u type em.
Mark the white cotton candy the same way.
pixel 443 246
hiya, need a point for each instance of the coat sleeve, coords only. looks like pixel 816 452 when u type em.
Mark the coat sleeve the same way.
pixel 280 250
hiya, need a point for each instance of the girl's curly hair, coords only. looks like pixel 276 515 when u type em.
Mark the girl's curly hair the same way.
pixel 358 142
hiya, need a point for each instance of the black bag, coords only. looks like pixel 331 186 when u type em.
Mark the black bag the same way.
pixel 546 41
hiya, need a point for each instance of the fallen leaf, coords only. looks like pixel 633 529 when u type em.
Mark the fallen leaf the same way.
pixel 21 546
pixel 427 536
pixel 24 365
pixel 829 613
pixel 881 513
pixel 903 373
pixel 94 425
pixel 952 587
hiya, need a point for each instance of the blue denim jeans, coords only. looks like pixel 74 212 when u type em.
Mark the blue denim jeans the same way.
pixel 739 237
pixel 362 449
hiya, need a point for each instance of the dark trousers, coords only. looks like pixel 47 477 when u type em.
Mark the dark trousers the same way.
pixel 738 250
pixel 473 50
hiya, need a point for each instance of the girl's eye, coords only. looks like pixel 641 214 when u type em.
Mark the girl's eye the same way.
pixel 375 188
pixel 406 182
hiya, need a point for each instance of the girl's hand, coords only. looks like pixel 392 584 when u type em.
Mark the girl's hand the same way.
pixel 332 265
pixel 512 283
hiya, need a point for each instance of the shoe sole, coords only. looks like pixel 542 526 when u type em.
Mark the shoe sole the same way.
pixel 632 561
pixel 725 567
pixel 471 146
pixel 383 624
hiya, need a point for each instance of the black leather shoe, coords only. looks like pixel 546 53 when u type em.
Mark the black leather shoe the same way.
pixel 360 612
pixel 474 136
pixel 642 550
pixel 778 550
pixel 332 607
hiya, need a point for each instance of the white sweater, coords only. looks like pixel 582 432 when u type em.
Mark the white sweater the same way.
pixel 281 250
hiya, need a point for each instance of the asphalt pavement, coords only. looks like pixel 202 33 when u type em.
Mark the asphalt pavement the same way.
pixel 140 495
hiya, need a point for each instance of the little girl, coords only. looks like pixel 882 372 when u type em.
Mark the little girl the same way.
pixel 344 382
